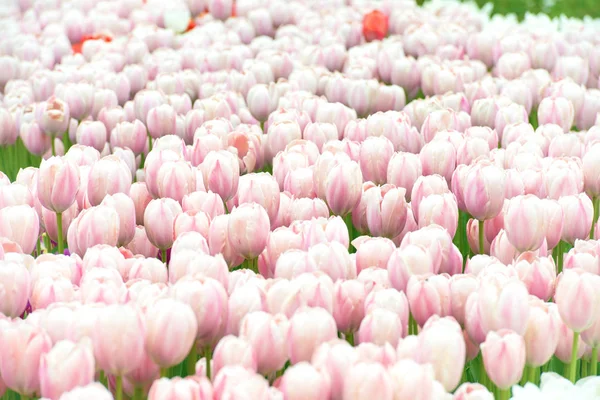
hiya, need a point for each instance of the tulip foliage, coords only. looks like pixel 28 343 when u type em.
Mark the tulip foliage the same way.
pixel 307 200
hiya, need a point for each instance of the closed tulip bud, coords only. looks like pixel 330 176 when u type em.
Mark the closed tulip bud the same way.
pixel 440 209
pixel 50 290
pixel 578 210
pixel 380 326
pixel 279 135
pixel 553 221
pixel 234 351
pixel 412 380
pixel 16 288
pixel 344 187
pixel 140 196
pixel 538 274
pixel 368 380
pixel 309 327
pixel 320 133
pixel 524 222
pixel 262 100
pixel 140 245
pixel 93 391
pixel 262 189
pixel 171 329
pixel 408 261
pixel 20 358
pixel 159 221
pixel 512 65
pixel 348 304
pixel 383 203
pixel 484 191
pixel 208 202
pixel 129 134
pixel 208 299
pixel 461 287
pixel 375 154
pixel 96 225
pixel 180 389
pixel 502 249
pixel 125 207
pixel 503 304
pixel 403 171
pixel 577 299
pixel 268 336
pixel 55 117
pixel 161 121
pixel 556 110
pixel 248 229
pixel 57 184
pixel 92 133
pixel 34 139
pixel 504 357
pixel 542 334
pixel 144 101
pixel 425 186
pixel 221 172
pixel 20 224
pixel 372 252
pixel 425 299
pixel 591 166
pixel 110 175
pixel 305 209
pixel 65 367
pixel 302 381
pixel 9 129
pixel 218 240
pixel 438 157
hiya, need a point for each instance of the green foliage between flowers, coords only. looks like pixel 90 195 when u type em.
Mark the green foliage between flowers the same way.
pixel 554 8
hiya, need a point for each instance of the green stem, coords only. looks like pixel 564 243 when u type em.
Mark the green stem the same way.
pixel 350 338
pixel 350 226
pixel 225 206
pixel 38 246
pixel 163 254
pixel 191 360
pixel 59 233
pixel 572 364
pixel 53 144
pixel 584 369
pixel 504 394
pixel 102 378
pixel 481 241
pixel 119 388
pixel 208 356
pixel 413 329
pixel 531 373
pixel 594 362
pixel 164 372
pixel 596 201
pixel 138 393
pixel 559 256
pixel 47 243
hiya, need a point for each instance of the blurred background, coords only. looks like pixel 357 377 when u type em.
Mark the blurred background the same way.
pixel 570 8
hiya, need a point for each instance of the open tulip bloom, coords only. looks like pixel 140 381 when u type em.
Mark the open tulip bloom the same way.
pixel 325 200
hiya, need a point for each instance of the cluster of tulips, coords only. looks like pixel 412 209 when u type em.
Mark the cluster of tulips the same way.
pixel 306 200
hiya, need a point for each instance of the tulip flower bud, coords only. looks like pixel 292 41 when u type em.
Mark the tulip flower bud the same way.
pixel 65 367
pixel 302 381
pixel 92 133
pixel 110 175
pixel 268 335
pixel 344 187
pixel 93 391
pixel 524 222
pixel 57 184
pixel 125 207
pixel 497 299
pixel 380 326
pixel 22 342
pixel 577 299
pixel 368 380
pixel 556 110
pixel 171 329
pixel 180 389
pixel 484 191
pixel 578 210
pixel 541 335
pixel 248 229
pixel 440 209
pixel 504 357
pixel 382 204
pixel 309 327
pixel 408 261
pixel 221 172
pixel 232 350
pixel 159 221
pixel 16 288
pixel 131 135
pixel 375 154
pixel 20 224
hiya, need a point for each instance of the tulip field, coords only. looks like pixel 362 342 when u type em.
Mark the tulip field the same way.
pixel 298 200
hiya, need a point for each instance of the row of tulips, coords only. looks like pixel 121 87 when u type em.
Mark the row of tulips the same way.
pixel 217 199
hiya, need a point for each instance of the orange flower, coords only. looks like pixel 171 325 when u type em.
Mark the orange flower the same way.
pixel 375 25
pixel 78 46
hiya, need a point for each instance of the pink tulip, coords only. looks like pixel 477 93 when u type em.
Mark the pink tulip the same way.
pixel 279 135
pixel 344 187
pixel 55 117
pixel 375 154
pixel 21 225
pixel 221 173
pixel 502 249
pixel 372 251
pixel 48 290
pixel 302 381
pixel 445 255
pixel 440 209
pixel 461 287
pixel 123 355
pixel 232 350
pixel 129 134
pixel 93 391
pixel 34 139
pixel 305 209
pixel 110 175
pixel 248 229
pixel 335 358
pixel 144 101
pixel 242 301
pixel 16 288
pixel 425 186
pixel 141 245
pixel 171 329
pixel 472 391
pixel 412 380
pixel 57 184
pixel 348 304
pixel 483 191
pixel 380 326
pixel 370 380
pixel 382 204
pixel 180 389
pixel 553 220
pixel 208 299
pixel 209 202
pixel 523 222
pixel 578 211
pixel 556 110
pixel 268 336
pixel 541 336
pixel 412 260
pixel 20 358
pixel 65 367
pixel 425 299
pixel 159 221
pixel 262 189
pixel 93 134
pixel 438 157
pixel 576 298
pixel 503 304
pixel 331 258
pixel 125 207
pixel 218 240
pixel 437 121
pixel 403 171
pixel 504 357
pixel 308 328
